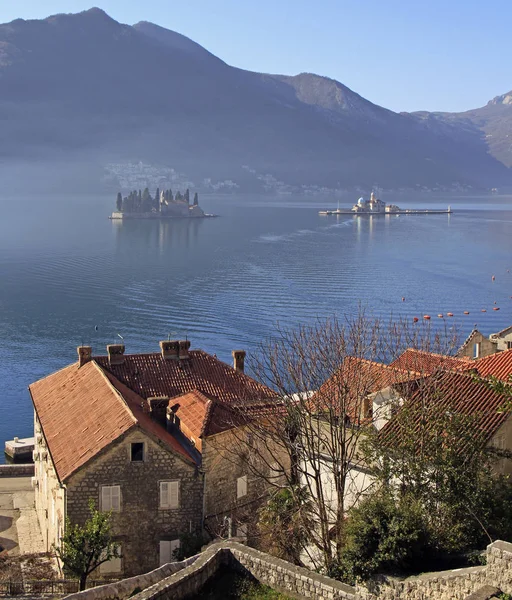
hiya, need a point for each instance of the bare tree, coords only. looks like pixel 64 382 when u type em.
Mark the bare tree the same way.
pixel 307 440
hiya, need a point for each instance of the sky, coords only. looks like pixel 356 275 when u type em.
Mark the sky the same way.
pixel 406 55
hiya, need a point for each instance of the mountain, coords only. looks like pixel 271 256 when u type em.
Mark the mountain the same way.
pixel 82 90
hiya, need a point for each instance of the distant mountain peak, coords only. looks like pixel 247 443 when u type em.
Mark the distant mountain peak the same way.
pixel 504 99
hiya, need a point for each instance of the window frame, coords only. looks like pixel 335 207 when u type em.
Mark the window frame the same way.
pixel 103 569
pixel 143 444
pixel 169 505
pixel 241 485
pixel 111 508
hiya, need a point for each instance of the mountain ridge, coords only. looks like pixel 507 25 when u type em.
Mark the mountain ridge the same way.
pixel 110 92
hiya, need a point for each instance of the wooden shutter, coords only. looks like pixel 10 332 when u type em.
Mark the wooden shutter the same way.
pixel 115 498
pixel 174 494
pixel 164 494
pixel 114 564
pixel 106 503
pixel 165 552
pixel 241 486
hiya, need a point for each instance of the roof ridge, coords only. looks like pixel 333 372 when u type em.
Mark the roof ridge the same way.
pixel 53 373
pixel 117 392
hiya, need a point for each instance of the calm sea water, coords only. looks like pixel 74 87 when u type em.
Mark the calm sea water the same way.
pixel 65 269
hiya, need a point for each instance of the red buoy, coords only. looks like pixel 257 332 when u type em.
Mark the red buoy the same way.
pixel 466 312
pixel 415 319
pixel 449 314
pixel 426 317
pixel 496 308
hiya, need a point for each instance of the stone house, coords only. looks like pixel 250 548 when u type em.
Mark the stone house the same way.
pixel 502 339
pixel 120 430
pixel 371 394
pixel 477 346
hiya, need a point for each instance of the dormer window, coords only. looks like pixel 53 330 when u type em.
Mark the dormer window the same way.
pixel 137 452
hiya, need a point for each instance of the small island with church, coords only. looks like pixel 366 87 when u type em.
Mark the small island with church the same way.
pixel 375 206
pixel 163 205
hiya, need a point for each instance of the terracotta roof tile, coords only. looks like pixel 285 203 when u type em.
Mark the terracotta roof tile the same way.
pixel 80 414
pixel 458 393
pixel 426 363
pixel 83 410
pixel 498 365
pixel 353 382
pixel 151 375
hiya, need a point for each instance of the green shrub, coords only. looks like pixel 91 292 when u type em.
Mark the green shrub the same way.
pixel 384 535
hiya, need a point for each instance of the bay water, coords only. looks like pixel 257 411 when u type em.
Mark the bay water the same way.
pixel 69 275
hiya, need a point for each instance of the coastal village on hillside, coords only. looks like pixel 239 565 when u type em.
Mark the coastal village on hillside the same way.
pixel 188 456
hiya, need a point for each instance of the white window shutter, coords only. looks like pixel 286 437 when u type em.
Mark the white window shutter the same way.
pixel 105 498
pixel 241 486
pixel 174 494
pixel 164 494
pixel 115 497
pixel 165 552
pixel 114 564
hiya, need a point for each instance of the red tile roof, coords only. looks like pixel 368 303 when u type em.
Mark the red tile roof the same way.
pixel 426 363
pixel 498 365
pixel 151 375
pixel 201 416
pixel 81 412
pixel 457 393
pixel 353 382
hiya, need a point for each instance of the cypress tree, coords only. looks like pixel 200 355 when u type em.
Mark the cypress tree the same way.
pixel 119 202
pixel 196 200
pixel 187 196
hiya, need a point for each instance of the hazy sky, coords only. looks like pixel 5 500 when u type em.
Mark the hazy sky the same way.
pixel 402 54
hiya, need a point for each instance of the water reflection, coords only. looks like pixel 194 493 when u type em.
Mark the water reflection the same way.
pixel 147 236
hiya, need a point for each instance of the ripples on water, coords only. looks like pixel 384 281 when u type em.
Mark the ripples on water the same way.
pixel 65 268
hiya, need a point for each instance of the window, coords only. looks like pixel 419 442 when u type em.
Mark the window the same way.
pixel 509 345
pixel 241 530
pixel 476 350
pixel 167 550
pixel 241 486
pixel 114 564
pixel 111 498
pixel 137 453
pixel 169 494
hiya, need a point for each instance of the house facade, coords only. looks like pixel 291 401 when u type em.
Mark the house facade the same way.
pixel 107 430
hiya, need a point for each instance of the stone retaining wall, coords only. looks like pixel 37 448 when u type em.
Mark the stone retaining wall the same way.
pixel 456 584
pixel 126 587
pixel 177 581
pixel 280 575
pixel 17 470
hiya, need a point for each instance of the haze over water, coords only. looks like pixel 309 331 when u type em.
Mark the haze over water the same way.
pixel 65 269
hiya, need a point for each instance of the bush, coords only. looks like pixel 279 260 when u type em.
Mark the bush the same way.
pixel 384 535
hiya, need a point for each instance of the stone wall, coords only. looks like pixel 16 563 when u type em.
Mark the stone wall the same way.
pixel 126 587
pixel 17 470
pixel 225 458
pixel 50 495
pixel 280 575
pixel 140 524
pixel 447 585
pixel 188 577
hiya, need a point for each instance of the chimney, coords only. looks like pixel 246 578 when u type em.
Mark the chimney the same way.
pixel 238 360
pixel 173 421
pixel 170 349
pixel 84 355
pixel 157 408
pixel 184 348
pixel 115 354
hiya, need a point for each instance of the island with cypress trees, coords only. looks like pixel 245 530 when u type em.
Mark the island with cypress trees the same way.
pixel 164 204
